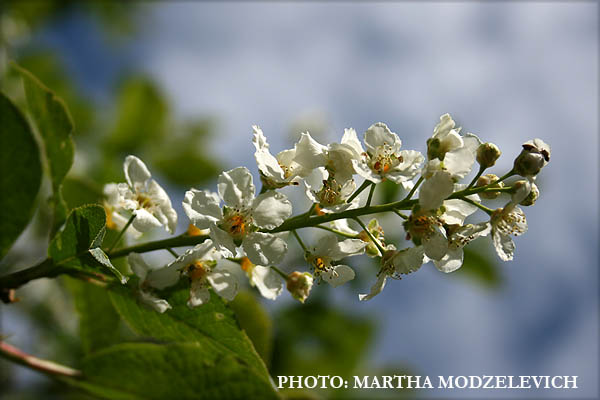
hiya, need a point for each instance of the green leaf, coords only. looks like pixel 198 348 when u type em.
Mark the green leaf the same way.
pixel 98 320
pixel 55 127
pixel 77 245
pixel 21 174
pixel 212 324
pixel 168 371
pixel 255 320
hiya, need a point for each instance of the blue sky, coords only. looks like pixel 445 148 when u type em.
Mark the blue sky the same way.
pixel 506 71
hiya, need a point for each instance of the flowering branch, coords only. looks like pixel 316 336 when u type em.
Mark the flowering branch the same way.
pixel 47 367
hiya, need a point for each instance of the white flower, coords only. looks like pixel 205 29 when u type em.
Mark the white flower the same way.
pixel 435 189
pixel 112 205
pixel 425 228
pixel 241 217
pixel 157 278
pixel 507 221
pixel 202 266
pixel 377 232
pixel 145 198
pixel 456 210
pixel 299 285
pixel 324 189
pixel 328 250
pixel 394 264
pixel 267 281
pixel 337 158
pixel 383 158
pixel 275 171
pixel 458 239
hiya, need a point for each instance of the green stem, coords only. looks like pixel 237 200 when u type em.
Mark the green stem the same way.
pixel 398 213
pixel 177 241
pixel 121 233
pixel 47 367
pixel 299 241
pixel 280 272
pixel 45 269
pixel 358 191
pixel 173 253
pixel 375 241
pixel 503 177
pixel 481 169
pixel 371 191
pixel 345 234
pixel 414 189
pixel 489 211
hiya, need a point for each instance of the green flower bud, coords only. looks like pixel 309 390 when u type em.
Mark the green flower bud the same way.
pixel 485 180
pixel 532 196
pixel 487 154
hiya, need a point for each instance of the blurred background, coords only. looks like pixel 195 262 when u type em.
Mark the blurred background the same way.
pixel 181 84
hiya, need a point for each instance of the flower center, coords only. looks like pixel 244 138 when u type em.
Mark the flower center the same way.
pixel 197 271
pixel 421 226
pixel 384 159
pixel 143 200
pixel 512 222
pixel 237 223
pixel 330 194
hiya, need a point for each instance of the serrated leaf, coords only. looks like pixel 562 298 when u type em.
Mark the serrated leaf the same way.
pixel 98 320
pixel 212 324
pixel 21 173
pixel 169 371
pixel 55 127
pixel 77 245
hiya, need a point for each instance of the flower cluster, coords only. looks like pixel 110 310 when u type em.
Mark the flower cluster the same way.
pixel 244 234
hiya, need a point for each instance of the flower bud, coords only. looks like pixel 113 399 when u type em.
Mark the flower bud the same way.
pixel 531 197
pixel 299 285
pixel 534 156
pixel 487 154
pixel 522 189
pixel 485 180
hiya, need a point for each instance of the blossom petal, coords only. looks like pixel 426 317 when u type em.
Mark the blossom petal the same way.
pixel 350 138
pixel 363 169
pixel 435 189
pixel 264 248
pixel 376 288
pixel 236 187
pixel 164 277
pixel 199 294
pixel 379 134
pixel 144 221
pixel 340 157
pixel 159 305
pixel 136 172
pixel 267 163
pixel 223 241
pixel 223 283
pixel 459 162
pixel 161 198
pixel 309 153
pixel 408 260
pixel 456 211
pixel 408 168
pixel 267 281
pixel 201 251
pixel 338 275
pixel 138 265
pixel 270 209
pixel 346 248
pixel 436 245
pixel 504 245
pixel 452 261
pixel 202 208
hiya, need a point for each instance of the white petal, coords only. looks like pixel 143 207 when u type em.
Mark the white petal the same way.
pixel 436 245
pixel 408 260
pixel 504 245
pixel 379 134
pixel 363 169
pixel 435 189
pixel 457 210
pixel 161 278
pixel 264 248
pixel 201 251
pixel 375 289
pixel 202 208
pixel 136 172
pixel 343 226
pixel 159 305
pixel 338 275
pixel 270 209
pixel 309 153
pixel 267 281
pixel 459 162
pixel 444 126
pixel 161 198
pixel 350 138
pixel 408 168
pixel 471 142
pixel 340 161
pixel 111 192
pixel 267 163
pixel 120 222
pixel 199 294
pixel 223 241
pixel 224 284
pixel 144 221
pixel 236 187
pixel 452 261
pixel 138 265
pixel 346 248
pixel 326 245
